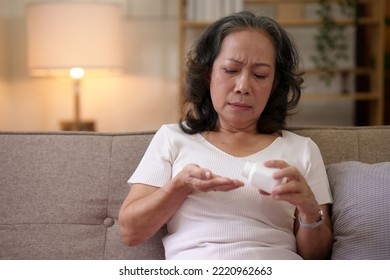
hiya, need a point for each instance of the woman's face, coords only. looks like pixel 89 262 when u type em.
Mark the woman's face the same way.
pixel 241 79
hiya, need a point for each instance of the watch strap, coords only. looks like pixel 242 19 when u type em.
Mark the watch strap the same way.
pixel 315 224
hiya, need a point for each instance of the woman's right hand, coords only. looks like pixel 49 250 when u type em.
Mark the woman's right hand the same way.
pixel 201 179
pixel 146 208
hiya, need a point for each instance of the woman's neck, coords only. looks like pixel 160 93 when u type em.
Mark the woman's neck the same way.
pixel 237 142
pixel 249 129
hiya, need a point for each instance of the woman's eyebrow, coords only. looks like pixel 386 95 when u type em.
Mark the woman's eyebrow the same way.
pixel 257 64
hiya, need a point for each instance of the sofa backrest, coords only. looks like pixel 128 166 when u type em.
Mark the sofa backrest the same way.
pixel 60 193
pixel 338 144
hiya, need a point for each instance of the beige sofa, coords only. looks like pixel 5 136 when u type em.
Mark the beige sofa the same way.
pixel 60 192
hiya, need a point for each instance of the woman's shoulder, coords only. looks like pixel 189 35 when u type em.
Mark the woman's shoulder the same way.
pixel 174 132
pixel 171 128
pixel 298 140
pixel 294 136
pixel 172 136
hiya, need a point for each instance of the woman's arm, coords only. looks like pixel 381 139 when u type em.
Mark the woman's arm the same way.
pixel 314 243
pixel 146 208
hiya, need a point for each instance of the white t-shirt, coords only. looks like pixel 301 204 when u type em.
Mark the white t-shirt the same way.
pixel 239 224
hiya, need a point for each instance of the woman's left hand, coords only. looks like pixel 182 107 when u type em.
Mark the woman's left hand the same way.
pixel 295 191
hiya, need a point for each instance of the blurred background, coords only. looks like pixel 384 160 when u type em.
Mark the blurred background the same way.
pixel 151 44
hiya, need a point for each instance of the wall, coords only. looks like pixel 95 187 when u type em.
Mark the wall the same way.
pixel 323 112
pixel 317 112
pixel 143 98
pixel 4 77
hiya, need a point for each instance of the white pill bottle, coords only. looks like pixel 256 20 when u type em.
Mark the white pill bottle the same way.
pixel 260 176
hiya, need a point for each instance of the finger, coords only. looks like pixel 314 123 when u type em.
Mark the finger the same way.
pixel 207 184
pixel 206 174
pixel 234 184
pixel 218 182
pixel 289 187
pixel 289 172
pixel 222 184
pixel 197 172
pixel 225 188
pixel 264 193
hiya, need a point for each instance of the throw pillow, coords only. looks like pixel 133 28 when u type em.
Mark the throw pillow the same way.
pixel 360 210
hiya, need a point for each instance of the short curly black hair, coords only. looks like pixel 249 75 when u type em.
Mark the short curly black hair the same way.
pixel 198 112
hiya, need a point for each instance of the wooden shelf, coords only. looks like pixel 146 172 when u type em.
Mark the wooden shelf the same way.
pixel 361 96
pixel 296 1
pixel 355 71
pixel 290 14
pixel 290 23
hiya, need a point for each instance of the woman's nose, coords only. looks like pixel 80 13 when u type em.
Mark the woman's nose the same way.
pixel 242 85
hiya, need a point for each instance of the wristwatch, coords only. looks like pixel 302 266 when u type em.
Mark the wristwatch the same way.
pixel 315 224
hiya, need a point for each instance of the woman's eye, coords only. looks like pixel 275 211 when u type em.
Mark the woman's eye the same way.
pixel 259 76
pixel 229 71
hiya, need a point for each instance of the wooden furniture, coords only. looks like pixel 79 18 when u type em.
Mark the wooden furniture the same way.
pixel 387 67
pixel 368 72
pixel 77 126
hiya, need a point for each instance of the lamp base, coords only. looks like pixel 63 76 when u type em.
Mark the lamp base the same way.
pixel 80 126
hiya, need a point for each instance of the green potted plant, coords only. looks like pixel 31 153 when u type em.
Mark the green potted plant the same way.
pixel 330 40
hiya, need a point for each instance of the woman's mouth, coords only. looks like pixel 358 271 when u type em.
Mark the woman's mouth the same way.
pixel 239 106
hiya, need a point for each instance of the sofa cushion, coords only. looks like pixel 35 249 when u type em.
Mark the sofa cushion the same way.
pixel 53 196
pixel 360 212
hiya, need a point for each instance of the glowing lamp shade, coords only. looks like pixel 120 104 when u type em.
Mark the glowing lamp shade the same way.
pixel 63 35
pixel 73 38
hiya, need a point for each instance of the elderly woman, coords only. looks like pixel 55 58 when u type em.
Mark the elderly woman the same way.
pixel 242 82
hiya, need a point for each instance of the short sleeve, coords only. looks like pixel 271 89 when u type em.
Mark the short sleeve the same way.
pixel 155 168
pixel 316 175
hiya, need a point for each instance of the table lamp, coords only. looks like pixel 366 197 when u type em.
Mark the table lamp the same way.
pixel 74 38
